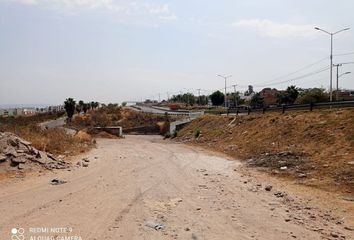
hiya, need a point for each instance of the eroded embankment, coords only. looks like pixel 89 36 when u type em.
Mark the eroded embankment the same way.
pixel 316 148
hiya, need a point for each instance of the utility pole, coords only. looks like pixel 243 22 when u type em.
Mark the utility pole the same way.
pixel 331 58
pixel 199 96
pixel 168 96
pixel 337 66
pixel 225 77
pixel 159 98
pixel 235 98
pixel 338 76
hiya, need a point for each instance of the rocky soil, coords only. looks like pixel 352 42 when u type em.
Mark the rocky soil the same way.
pixel 18 154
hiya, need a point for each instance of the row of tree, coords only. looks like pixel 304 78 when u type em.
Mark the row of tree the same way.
pixel 71 107
pixel 294 95
pixel 290 96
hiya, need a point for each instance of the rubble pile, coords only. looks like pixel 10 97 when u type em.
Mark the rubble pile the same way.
pixel 16 153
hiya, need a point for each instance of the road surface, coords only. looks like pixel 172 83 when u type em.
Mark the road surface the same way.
pixel 53 123
pixel 143 187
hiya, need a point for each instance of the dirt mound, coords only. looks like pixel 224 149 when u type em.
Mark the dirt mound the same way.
pixel 314 147
pixel 16 153
pixel 83 136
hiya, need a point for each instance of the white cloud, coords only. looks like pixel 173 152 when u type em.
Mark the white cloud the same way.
pixel 122 6
pixel 277 30
pixel 26 2
pixel 171 17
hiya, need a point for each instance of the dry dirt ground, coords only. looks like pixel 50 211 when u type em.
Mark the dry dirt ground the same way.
pixel 143 187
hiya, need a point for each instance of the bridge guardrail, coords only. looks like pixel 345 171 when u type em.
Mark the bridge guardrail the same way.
pixel 294 107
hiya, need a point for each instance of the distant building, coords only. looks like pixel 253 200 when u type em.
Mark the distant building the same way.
pixel 344 95
pixel 269 96
pixel 11 112
pixel 29 111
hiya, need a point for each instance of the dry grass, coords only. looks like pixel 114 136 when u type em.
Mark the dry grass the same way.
pixel 324 140
pixel 55 141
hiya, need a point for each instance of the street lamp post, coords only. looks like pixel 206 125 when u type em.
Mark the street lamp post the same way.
pixel 331 57
pixel 225 77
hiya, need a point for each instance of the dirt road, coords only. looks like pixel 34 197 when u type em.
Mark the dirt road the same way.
pixel 138 183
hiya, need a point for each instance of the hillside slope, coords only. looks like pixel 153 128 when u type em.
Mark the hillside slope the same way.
pixel 316 148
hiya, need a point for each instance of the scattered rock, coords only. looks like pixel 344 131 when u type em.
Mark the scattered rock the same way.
pixel 279 194
pixel 3 158
pixel 349 228
pixel 21 166
pixel 351 163
pixel 42 157
pixel 19 160
pixel 348 198
pixel 302 175
pixel 26 143
pixel 335 235
pixel 56 181
pixel 154 225
pixel 284 168
pixel 84 164
pixel 268 188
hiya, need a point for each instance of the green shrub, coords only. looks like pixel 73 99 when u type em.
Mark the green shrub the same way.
pixel 197 133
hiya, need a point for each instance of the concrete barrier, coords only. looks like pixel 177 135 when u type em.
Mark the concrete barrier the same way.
pixel 117 131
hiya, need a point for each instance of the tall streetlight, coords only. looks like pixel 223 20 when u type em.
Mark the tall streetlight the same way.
pixel 224 77
pixel 331 57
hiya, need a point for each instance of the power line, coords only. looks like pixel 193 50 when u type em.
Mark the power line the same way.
pixel 299 70
pixel 344 54
pixel 294 79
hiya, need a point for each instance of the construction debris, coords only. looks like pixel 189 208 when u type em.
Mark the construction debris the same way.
pixel 154 225
pixel 18 153
pixel 56 181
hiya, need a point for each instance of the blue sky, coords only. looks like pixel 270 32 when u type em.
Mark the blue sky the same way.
pixel 117 50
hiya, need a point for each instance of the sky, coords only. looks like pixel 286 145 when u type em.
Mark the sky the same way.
pixel 118 50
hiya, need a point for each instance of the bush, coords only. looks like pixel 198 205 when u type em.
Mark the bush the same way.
pixel 314 95
pixel 197 133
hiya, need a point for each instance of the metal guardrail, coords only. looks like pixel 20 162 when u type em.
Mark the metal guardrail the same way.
pixel 294 107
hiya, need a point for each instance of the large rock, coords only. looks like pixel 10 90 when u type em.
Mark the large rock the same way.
pixel 19 160
pixel 41 157
pixel 3 158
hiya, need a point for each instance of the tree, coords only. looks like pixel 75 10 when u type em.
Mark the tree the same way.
pixel 78 108
pixel 86 107
pixel 202 100
pixel 314 95
pixel 187 98
pixel 69 106
pixel 92 105
pixel 289 96
pixel 257 100
pixel 217 98
pixel 236 98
